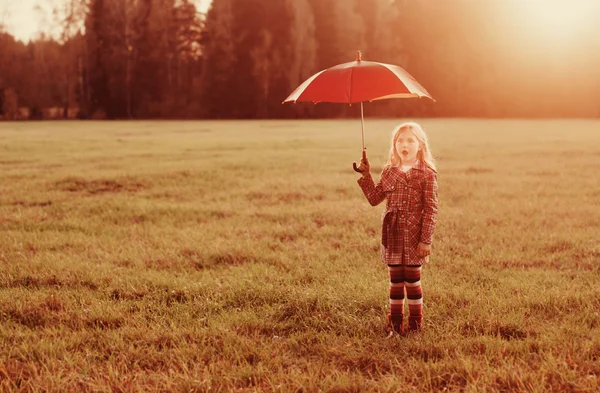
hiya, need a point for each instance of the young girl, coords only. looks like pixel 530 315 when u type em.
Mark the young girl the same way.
pixel 409 184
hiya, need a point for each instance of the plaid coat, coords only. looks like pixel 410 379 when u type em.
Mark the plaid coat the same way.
pixel 410 214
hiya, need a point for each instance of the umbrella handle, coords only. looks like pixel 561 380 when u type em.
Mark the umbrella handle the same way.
pixel 364 156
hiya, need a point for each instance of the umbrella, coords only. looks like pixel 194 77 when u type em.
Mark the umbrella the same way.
pixel 358 81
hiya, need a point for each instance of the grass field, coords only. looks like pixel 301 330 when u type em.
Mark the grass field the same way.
pixel 242 256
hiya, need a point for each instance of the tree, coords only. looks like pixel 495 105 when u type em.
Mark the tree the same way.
pixel 303 57
pixel 339 33
pixel 9 104
pixel 220 57
pixel 98 45
pixel 187 67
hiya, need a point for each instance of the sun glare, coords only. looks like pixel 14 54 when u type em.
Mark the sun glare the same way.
pixel 559 21
pixel 26 19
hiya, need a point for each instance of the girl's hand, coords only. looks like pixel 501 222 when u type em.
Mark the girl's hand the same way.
pixel 364 166
pixel 423 250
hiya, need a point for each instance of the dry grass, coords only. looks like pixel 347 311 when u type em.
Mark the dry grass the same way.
pixel 242 256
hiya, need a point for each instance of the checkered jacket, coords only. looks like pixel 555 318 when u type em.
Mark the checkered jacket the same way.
pixel 410 214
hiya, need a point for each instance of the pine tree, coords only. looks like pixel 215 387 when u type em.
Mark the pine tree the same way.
pixel 219 59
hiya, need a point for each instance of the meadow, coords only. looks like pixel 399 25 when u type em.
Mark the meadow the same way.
pixel 241 256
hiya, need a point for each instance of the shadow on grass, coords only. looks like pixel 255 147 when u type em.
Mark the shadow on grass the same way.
pixel 190 258
pixel 52 312
pixel 100 186
pixel 495 329
pixel 32 282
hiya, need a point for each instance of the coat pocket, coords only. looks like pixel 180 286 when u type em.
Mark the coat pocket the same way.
pixel 389 187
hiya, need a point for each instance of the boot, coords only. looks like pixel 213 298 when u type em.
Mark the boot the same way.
pixel 414 323
pixel 395 324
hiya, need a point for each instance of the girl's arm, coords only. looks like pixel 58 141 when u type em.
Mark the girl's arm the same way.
pixel 373 192
pixel 430 208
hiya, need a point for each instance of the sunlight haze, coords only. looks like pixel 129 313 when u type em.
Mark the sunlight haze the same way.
pixel 21 18
pixel 24 20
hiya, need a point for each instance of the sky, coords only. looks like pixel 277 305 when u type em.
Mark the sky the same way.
pixel 24 22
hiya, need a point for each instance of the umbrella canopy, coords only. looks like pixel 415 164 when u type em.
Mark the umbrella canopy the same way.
pixel 358 81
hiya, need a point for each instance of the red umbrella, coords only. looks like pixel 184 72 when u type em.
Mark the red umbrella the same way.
pixel 358 81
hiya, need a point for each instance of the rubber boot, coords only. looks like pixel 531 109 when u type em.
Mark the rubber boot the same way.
pixel 414 323
pixel 396 324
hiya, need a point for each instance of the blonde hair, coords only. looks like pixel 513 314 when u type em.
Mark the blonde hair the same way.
pixel 424 154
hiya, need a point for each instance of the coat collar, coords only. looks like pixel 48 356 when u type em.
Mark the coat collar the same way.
pixel 420 166
pixel 416 171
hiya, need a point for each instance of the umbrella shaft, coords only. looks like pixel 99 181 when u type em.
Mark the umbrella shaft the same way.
pixel 362 122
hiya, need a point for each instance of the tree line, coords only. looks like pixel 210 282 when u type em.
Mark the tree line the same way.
pixel 120 59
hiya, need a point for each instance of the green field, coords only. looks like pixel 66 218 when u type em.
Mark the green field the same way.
pixel 242 256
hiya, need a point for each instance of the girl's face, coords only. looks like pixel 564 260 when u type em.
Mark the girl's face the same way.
pixel 407 146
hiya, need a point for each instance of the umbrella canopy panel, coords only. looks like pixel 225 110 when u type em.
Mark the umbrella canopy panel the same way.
pixel 358 81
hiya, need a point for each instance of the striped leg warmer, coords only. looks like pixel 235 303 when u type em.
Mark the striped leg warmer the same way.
pixel 414 294
pixel 396 297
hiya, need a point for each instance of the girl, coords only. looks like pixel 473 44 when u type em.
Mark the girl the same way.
pixel 409 184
